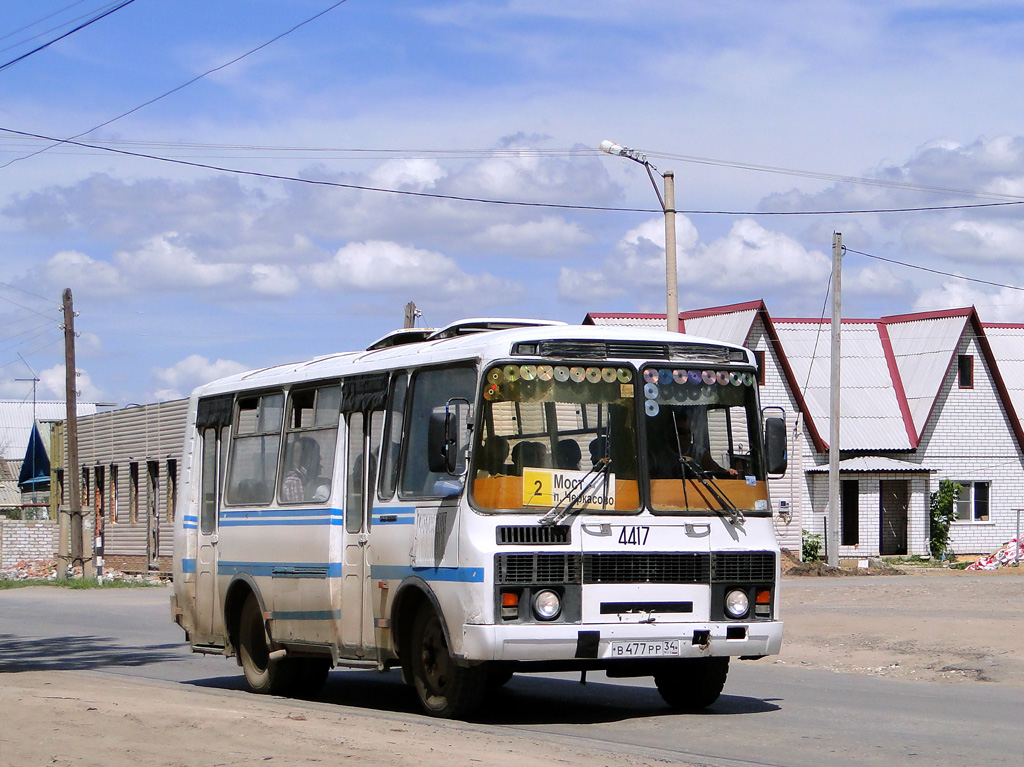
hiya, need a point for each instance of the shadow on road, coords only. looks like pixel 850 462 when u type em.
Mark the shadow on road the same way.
pixel 18 654
pixel 526 700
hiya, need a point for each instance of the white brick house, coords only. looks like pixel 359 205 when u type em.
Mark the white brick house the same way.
pixel 923 399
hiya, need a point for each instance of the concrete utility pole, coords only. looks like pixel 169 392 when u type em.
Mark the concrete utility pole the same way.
pixel 668 205
pixel 833 418
pixel 71 399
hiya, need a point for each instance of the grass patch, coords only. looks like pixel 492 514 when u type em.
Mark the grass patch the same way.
pixel 77 583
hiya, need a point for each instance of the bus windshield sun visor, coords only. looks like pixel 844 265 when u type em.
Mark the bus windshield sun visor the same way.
pixel 215 411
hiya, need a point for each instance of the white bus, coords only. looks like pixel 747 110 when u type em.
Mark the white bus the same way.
pixel 494 497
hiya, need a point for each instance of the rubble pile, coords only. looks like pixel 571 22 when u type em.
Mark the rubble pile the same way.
pixel 46 570
pixel 1011 552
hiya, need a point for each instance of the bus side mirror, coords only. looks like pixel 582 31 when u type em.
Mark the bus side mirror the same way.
pixel 442 442
pixel 775 445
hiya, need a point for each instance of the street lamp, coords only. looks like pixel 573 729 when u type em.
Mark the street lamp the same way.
pixel 668 204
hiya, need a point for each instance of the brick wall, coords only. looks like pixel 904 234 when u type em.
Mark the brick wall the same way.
pixel 26 540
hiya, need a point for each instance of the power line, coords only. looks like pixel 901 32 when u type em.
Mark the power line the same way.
pixel 66 34
pixel 835 177
pixel 40 21
pixel 486 201
pixel 58 142
pixel 934 271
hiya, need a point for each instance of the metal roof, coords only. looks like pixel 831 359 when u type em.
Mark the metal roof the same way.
pixel 731 327
pixel 872 463
pixel 16 422
pixel 870 414
pixel 923 350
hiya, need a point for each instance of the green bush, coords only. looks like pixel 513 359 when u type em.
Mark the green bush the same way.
pixel 811 546
pixel 942 512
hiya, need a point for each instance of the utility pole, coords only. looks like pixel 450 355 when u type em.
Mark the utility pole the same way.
pixel 411 313
pixel 668 205
pixel 74 479
pixel 834 390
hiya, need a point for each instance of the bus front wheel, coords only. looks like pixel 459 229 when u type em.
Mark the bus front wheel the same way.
pixel 445 689
pixel 263 674
pixel 692 684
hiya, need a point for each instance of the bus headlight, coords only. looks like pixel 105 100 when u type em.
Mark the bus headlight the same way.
pixel 736 603
pixel 547 605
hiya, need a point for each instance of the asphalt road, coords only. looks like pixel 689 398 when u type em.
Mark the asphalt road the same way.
pixel 769 714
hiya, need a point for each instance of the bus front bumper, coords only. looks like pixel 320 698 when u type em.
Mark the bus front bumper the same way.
pixel 611 642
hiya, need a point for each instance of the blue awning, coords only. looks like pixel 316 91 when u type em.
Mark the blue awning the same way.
pixel 35 469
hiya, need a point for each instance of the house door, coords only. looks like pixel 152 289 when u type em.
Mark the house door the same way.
pixel 894 495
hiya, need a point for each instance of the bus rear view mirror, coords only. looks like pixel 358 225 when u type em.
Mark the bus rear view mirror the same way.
pixel 775 445
pixel 442 441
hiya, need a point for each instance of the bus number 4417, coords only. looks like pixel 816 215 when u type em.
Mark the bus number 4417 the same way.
pixel 635 535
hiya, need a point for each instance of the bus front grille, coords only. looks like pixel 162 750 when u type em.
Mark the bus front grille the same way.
pixel 541 535
pixel 656 567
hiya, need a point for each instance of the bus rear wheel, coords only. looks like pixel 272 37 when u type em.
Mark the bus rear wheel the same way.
pixel 692 684
pixel 264 675
pixel 445 689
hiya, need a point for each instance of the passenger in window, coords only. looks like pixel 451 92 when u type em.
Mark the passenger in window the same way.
pixel 672 447
pixel 568 454
pixel 302 482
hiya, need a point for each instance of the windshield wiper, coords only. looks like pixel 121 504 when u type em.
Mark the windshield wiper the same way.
pixel 590 479
pixel 707 480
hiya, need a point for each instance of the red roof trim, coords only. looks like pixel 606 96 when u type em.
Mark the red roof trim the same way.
pixel 935 315
pixel 997 377
pixel 826 321
pixel 897 383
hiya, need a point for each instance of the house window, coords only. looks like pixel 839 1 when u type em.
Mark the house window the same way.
pixel 849 508
pixel 172 488
pixel 759 356
pixel 965 371
pixel 113 494
pixel 972 502
pixel 133 492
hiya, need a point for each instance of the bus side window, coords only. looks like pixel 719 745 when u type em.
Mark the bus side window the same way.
pixel 431 390
pixel 252 465
pixel 393 438
pixel 311 435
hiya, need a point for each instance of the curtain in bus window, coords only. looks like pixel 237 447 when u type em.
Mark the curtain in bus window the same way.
pixel 431 391
pixel 365 392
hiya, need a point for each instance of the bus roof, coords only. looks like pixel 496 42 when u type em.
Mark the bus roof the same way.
pixel 488 339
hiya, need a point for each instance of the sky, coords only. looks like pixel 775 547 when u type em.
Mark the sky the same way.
pixel 289 204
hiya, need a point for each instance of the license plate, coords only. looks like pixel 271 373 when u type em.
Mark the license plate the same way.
pixel 664 648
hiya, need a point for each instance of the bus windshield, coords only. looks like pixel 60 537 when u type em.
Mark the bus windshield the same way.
pixel 557 436
pixel 703 440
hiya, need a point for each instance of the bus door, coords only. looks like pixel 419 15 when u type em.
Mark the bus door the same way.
pixel 213 419
pixel 363 401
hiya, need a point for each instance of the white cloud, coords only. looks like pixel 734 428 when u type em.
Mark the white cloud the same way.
pixel 550 236
pixel 271 280
pixel 70 267
pixel 53 384
pixel 415 174
pixel 195 370
pixel 162 263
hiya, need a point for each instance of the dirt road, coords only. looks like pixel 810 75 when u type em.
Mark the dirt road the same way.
pixel 963 629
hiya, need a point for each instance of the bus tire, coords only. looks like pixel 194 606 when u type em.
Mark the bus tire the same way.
pixel 692 684
pixel 263 675
pixel 445 689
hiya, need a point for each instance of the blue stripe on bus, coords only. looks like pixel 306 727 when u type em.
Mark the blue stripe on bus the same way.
pixel 394 516
pixel 306 615
pixel 329 570
pixel 274 517
pixel 188 566
pixel 446 574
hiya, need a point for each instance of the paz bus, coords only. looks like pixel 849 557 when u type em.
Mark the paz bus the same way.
pixel 489 498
